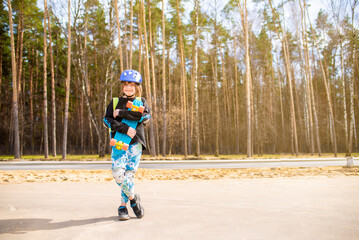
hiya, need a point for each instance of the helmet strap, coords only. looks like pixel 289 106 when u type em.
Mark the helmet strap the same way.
pixel 130 96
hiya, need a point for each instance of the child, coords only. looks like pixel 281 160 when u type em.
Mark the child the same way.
pixel 125 163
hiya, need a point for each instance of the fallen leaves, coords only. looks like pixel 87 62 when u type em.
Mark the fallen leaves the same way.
pixel 67 175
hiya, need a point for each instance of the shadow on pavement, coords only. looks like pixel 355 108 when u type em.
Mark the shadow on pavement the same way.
pixel 21 226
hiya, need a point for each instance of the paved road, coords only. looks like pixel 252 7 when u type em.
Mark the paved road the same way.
pixel 280 208
pixel 195 164
pixel 247 164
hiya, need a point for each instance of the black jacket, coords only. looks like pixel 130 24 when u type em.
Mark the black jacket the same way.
pixel 116 124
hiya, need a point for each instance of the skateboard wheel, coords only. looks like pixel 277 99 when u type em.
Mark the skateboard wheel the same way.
pixel 129 104
pixel 125 147
pixel 141 109
pixel 113 142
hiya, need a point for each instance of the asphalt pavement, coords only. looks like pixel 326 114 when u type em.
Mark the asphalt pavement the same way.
pixel 278 208
pixel 185 164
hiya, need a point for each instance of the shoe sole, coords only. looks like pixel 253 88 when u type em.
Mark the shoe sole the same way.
pixel 143 213
pixel 123 217
pixel 138 201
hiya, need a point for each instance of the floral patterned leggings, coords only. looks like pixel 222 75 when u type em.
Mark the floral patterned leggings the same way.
pixel 124 167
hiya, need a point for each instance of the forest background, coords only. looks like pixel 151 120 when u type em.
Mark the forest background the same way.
pixel 221 77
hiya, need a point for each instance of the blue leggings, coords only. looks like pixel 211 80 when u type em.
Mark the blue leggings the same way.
pixel 124 167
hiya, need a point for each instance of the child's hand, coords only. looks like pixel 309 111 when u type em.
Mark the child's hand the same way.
pixel 145 118
pixel 116 112
pixel 131 132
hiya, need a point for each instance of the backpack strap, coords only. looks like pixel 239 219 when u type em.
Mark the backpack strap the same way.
pixel 115 102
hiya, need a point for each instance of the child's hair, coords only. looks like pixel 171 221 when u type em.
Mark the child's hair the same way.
pixel 138 91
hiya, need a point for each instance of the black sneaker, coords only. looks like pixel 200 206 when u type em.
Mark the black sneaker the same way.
pixel 123 213
pixel 136 206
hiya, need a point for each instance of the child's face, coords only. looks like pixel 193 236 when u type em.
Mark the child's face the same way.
pixel 129 89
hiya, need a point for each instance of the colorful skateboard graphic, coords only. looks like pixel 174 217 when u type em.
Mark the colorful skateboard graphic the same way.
pixel 122 141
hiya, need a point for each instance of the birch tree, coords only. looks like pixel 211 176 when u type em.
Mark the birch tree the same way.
pixel 351 82
pixel 243 12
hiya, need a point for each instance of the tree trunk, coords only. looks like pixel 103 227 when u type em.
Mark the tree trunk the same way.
pixel 32 139
pixel 148 82
pixel 297 109
pixel 139 20
pixel 82 140
pixel 352 116
pixel 243 12
pixel 15 88
pixel 53 97
pixel 153 81
pixel 86 80
pixel 215 86
pixel 196 95
pixel 236 89
pixel 308 79
pixel 97 87
pixel 281 111
pixel 119 37
pixel 67 98
pixel 126 52
pixel 131 23
pixel 37 67
pixel 163 80
pixel 101 126
pixel 226 95
pixel 292 107
pixel 20 94
pixel 1 52
pixel 169 80
pixel 345 111
pixel 20 46
pixel 170 94
pixel 46 137
pixel 351 85
pixel 312 102
pixel 183 81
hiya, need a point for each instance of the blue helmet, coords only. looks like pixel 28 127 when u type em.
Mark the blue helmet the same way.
pixel 131 76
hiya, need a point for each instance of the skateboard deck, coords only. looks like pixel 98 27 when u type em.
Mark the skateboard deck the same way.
pixel 121 141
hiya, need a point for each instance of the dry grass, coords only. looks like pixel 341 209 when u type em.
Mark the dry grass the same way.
pixel 146 157
pixel 28 176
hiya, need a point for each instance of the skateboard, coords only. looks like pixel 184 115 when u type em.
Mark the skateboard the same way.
pixel 121 141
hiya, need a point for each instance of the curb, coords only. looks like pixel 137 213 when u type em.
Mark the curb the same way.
pixel 23 162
